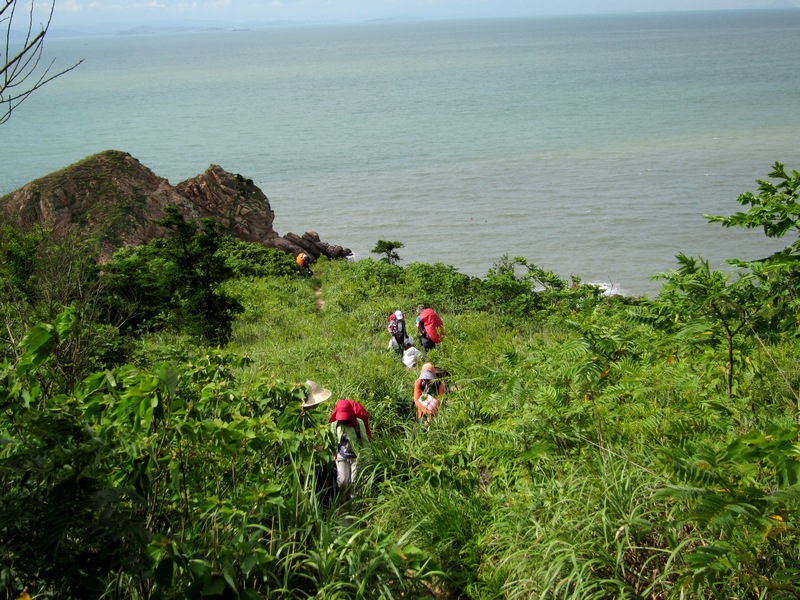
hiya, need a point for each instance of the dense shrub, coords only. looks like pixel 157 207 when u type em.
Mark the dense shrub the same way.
pixel 248 259
pixel 176 282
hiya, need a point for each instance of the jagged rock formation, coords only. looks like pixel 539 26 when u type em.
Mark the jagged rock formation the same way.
pixel 114 199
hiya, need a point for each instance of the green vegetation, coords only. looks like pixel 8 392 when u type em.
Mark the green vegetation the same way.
pixel 388 250
pixel 153 444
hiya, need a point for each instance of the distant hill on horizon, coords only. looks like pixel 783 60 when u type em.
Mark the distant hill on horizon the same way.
pixel 175 26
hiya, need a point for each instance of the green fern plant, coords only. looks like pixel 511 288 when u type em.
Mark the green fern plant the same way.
pixel 742 497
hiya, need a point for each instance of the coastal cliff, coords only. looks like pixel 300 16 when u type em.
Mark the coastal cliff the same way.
pixel 113 198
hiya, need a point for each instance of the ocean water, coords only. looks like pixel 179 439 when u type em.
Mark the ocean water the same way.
pixel 592 146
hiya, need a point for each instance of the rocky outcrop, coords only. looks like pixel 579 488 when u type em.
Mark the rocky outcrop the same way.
pixel 236 203
pixel 311 244
pixel 113 198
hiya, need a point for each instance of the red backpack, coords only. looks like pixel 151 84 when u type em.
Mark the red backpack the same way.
pixel 358 412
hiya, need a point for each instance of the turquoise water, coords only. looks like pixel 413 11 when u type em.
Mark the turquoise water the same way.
pixel 589 145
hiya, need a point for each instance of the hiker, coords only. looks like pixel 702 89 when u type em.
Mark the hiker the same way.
pixel 350 427
pixel 316 396
pixel 397 329
pixel 411 354
pixel 324 475
pixel 304 261
pixel 428 392
pixel 430 327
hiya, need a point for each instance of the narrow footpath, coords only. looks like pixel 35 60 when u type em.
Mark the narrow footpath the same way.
pixel 320 301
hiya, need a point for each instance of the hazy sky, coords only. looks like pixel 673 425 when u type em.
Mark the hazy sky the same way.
pixel 73 12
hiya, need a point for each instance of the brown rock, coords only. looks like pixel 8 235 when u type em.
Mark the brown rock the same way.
pixel 115 199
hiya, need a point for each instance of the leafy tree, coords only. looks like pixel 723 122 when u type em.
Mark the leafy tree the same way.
pixel 438 285
pixel 517 288
pixel 21 73
pixel 506 291
pixel 776 209
pixel 141 281
pixel 18 252
pixel 40 276
pixel 18 249
pixel 711 303
pixel 205 308
pixel 388 250
pixel 176 281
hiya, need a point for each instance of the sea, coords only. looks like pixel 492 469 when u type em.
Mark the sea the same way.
pixel 592 146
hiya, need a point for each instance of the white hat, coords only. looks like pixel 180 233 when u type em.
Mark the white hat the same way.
pixel 427 372
pixel 398 314
pixel 316 394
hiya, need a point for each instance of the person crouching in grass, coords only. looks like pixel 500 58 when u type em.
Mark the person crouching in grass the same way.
pixel 428 392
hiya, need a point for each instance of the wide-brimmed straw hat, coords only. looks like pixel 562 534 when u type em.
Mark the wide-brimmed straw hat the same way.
pixel 316 394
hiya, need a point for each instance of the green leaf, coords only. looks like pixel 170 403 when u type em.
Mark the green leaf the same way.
pixel 215 586
pixel 164 571
pixel 787 575
pixel 791 473
pixel 66 321
pixel 169 376
pixel 38 347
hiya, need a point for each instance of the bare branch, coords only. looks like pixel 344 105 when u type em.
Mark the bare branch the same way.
pixel 21 72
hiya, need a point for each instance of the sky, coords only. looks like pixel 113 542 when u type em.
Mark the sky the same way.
pixel 89 12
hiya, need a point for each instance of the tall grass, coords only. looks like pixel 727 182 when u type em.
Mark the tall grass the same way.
pixel 543 475
pixel 539 476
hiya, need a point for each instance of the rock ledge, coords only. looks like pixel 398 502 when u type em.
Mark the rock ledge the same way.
pixel 113 198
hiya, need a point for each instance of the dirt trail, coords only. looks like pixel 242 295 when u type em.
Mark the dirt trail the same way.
pixel 320 301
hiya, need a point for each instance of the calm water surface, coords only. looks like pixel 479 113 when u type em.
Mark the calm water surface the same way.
pixel 592 146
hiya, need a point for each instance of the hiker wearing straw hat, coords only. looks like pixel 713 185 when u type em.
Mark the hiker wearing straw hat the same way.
pixel 325 476
pixel 316 394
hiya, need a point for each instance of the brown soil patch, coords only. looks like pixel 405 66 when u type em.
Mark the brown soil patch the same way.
pixel 320 301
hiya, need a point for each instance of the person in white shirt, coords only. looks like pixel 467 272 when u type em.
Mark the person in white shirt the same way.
pixel 411 354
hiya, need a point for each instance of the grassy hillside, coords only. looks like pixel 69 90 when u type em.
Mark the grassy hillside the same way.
pixel 589 446
pixel 584 453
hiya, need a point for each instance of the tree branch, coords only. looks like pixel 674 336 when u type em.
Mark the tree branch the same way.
pixel 20 73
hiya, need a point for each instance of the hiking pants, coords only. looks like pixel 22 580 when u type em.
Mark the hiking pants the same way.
pixel 345 470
